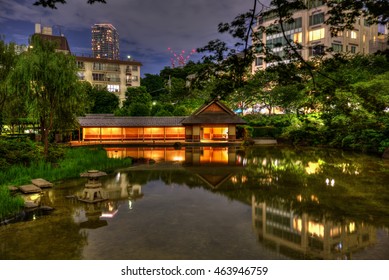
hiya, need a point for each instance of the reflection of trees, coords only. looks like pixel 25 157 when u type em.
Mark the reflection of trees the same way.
pixel 54 237
pixel 283 175
pixel 296 178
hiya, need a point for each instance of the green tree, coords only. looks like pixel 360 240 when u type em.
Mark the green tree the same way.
pixel 139 109
pixel 53 3
pixel 155 85
pixel 47 81
pixel 137 95
pixel 7 62
pixel 102 101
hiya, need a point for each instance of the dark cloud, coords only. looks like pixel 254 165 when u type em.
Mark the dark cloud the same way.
pixel 147 28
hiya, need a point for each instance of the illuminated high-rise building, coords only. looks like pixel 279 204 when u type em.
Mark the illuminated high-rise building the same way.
pixel 105 41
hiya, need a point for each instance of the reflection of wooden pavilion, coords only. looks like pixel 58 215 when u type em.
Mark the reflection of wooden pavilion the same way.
pixel 212 122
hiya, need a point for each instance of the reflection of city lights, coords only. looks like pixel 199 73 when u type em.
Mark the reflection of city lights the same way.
pixel 108 215
pixel 314 198
pixel 330 182
pixel 312 168
pixel 299 198
pixel 130 204
pixel 117 177
pixel 234 179
pixel 351 227
pixel 244 179
pixel 178 158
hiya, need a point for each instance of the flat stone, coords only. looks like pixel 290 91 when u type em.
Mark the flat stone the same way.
pixel 30 189
pixel 46 208
pixel 13 189
pixel 41 183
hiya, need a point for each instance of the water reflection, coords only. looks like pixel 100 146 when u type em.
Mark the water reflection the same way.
pixel 309 220
pixel 191 203
pixel 304 236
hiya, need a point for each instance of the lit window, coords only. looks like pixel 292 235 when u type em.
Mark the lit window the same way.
pixel 316 34
pixel 298 37
pixel 353 35
pixel 113 88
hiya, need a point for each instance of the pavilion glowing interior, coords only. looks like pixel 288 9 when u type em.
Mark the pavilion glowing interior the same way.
pixel 212 122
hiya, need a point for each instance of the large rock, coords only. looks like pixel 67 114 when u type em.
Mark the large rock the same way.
pixel 386 154
pixel 30 189
pixel 41 183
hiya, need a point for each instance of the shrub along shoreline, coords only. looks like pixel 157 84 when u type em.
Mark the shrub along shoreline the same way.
pixel 66 163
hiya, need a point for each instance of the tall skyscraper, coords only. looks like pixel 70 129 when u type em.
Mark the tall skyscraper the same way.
pixel 105 41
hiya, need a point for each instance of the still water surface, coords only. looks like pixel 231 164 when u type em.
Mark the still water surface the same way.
pixel 216 203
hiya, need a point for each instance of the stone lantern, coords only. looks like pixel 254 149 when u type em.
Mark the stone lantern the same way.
pixel 92 190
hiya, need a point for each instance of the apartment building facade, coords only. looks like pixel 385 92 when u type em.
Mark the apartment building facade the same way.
pixel 105 41
pixel 114 75
pixel 309 30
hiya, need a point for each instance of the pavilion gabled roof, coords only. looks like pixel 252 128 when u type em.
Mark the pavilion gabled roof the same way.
pixel 214 112
pixel 108 120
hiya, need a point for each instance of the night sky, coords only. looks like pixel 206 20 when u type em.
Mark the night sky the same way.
pixel 147 28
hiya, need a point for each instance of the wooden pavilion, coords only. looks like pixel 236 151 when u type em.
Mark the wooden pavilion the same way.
pixel 211 122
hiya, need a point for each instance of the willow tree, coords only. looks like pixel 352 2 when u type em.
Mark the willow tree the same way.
pixel 47 81
pixel 7 62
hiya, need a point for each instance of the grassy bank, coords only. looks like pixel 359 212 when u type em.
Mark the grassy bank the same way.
pixel 76 161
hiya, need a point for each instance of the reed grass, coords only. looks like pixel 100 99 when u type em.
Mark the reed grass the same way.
pixel 76 161
pixel 9 204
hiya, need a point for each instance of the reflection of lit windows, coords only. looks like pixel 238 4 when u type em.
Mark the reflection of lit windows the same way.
pixel 335 231
pixel 351 227
pixel 316 229
pixel 316 34
pixel 297 224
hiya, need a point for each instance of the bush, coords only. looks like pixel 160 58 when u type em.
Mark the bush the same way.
pixel 19 151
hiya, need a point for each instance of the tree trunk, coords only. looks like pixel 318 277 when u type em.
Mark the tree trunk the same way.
pixel 45 137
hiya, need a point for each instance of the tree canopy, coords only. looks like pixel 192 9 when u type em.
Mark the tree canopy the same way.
pixel 53 3
pixel 47 82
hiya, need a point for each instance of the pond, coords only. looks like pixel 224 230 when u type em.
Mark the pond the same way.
pixel 215 203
